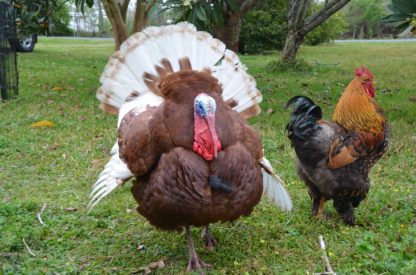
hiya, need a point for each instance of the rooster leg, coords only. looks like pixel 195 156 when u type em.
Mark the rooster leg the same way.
pixel 195 262
pixel 318 202
pixel 320 211
pixel 209 241
pixel 346 211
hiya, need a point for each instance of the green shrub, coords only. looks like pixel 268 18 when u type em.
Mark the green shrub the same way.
pixel 297 65
pixel 264 27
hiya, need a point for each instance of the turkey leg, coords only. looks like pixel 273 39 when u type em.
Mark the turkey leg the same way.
pixel 195 262
pixel 209 241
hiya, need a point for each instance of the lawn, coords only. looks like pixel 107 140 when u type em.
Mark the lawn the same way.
pixel 56 166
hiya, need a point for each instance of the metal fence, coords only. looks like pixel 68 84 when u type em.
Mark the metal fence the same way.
pixel 8 63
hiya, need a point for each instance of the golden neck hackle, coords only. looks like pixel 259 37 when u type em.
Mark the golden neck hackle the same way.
pixel 356 110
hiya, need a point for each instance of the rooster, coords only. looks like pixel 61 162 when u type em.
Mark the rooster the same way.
pixel 335 158
pixel 182 100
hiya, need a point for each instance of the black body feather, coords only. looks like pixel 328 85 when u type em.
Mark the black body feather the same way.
pixel 305 114
pixel 220 184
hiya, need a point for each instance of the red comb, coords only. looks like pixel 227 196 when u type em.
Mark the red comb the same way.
pixel 363 71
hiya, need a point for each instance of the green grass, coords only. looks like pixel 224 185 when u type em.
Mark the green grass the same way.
pixel 57 166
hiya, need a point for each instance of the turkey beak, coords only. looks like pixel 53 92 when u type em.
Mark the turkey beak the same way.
pixel 211 126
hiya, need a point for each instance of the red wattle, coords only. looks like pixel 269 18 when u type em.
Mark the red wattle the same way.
pixel 203 143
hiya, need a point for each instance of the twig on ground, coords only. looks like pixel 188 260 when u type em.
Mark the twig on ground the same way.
pixel 28 249
pixel 40 214
pixel 325 258
pixel 399 148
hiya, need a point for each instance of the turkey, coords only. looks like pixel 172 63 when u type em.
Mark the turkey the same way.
pixel 182 99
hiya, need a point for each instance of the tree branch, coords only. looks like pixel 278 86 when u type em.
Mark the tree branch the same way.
pixel 150 5
pixel 317 18
pixel 112 9
pixel 124 5
pixel 246 6
pixel 296 14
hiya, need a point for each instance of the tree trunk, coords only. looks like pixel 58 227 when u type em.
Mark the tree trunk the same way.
pixel 100 16
pixel 230 32
pixel 142 14
pixel 296 20
pixel 361 36
pixel 299 26
pixel 119 27
pixel 124 7
pixel 292 44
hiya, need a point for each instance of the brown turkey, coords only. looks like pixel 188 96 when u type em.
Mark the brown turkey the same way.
pixel 182 100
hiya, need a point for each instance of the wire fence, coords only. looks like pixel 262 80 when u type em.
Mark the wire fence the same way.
pixel 9 84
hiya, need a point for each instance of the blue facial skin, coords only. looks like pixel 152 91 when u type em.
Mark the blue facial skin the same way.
pixel 204 105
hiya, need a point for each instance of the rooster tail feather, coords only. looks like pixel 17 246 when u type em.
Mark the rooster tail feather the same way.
pixel 273 187
pixel 304 116
pixel 146 57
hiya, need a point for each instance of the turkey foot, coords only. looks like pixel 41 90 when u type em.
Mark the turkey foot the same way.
pixel 195 262
pixel 209 241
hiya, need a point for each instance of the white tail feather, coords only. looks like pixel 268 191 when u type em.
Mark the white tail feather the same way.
pixel 123 74
pixel 115 173
pixel 273 187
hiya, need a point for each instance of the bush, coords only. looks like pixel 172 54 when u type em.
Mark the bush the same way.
pixel 264 27
pixel 297 65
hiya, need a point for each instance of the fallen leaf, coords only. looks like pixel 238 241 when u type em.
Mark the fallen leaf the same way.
pixel 140 247
pixel 82 118
pixel 270 111
pixel 57 88
pixel 43 123
pixel 412 98
pixel 148 268
pixel 158 264
pixel 64 156
pixel 70 209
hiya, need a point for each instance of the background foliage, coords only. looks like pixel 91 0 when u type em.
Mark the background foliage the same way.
pixel 364 18
pixel 264 27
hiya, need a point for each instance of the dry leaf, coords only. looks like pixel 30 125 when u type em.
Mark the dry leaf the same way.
pixel 147 269
pixel 57 88
pixel 82 118
pixel 70 209
pixel 140 247
pixel 64 156
pixel 43 123
pixel 158 264
pixel 270 111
